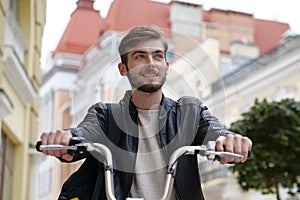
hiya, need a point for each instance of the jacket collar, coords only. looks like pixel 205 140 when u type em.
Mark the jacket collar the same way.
pixel 164 109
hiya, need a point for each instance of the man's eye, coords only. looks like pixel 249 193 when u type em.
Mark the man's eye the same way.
pixel 139 56
pixel 159 56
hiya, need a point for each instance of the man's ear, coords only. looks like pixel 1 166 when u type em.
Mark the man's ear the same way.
pixel 168 65
pixel 122 69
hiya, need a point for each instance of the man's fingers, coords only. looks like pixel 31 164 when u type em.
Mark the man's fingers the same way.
pixel 223 144
pixel 246 147
pixel 65 140
pixel 235 144
pixel 220 142
pixel 44 141
pixel 67 157
pixel 56 137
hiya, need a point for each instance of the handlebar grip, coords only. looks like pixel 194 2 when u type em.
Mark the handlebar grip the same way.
pixel 218 157
pixel 37 146
pixel 74 147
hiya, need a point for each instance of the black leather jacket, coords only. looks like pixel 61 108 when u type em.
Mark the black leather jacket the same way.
pixel 183 122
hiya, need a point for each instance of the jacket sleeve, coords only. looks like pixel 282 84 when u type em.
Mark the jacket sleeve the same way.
pixel 93 127
pixel 196 119
pixel 93 124
pixel 210 127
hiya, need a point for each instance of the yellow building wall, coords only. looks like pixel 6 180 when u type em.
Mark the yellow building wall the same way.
pixel 14 122
pixel 21 124
pixel 2 24
pixel 62 120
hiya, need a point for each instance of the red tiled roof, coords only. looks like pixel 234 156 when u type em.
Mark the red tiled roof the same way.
pixel 126 14
pixel 83 29
pixel 268 33
pixel 86 25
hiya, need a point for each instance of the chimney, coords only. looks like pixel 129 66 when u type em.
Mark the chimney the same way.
pixel 186 18
pixel 244 50
pixel 85 3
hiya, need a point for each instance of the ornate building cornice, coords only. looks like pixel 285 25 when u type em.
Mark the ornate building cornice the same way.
pixel 289 44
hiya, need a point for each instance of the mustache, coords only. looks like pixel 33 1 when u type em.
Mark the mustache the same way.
pixel 149 70
pixel 143 69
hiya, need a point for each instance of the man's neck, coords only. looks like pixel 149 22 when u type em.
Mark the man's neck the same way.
pixel 145 100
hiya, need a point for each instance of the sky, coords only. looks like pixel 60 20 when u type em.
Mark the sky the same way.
pixel 59 11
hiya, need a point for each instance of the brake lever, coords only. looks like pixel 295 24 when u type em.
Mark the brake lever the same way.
pixel 75 147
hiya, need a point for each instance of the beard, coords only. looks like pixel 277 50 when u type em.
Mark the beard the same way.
pixel 149 87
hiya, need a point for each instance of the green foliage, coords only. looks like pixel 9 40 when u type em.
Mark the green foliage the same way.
pixel 275 158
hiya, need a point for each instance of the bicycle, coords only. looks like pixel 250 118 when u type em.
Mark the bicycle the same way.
pixel 78 147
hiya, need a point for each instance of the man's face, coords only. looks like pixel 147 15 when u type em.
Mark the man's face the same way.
pixel 147 66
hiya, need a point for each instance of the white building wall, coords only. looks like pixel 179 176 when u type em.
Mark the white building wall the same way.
pixel 277 79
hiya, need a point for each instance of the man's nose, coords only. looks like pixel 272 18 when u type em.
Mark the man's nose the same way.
pixel 151 60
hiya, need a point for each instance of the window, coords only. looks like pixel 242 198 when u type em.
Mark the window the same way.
pixel 2 151
pixel 6 167
pixel 13 6
pixel 47 112
pixel 44 183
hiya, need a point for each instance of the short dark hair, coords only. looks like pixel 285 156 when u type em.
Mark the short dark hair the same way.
pixel 138 34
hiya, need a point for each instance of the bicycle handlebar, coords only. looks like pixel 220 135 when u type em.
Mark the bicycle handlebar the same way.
pixel 77 147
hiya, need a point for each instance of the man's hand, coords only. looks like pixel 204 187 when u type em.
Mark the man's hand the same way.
pixel 235 144
pixel 57 137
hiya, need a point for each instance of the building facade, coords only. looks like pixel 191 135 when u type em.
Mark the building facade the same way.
pixel 21 28
pixel 274 75
pixel 57 88
pixel 205 46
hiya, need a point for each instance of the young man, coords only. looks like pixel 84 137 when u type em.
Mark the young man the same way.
pixel 147 127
